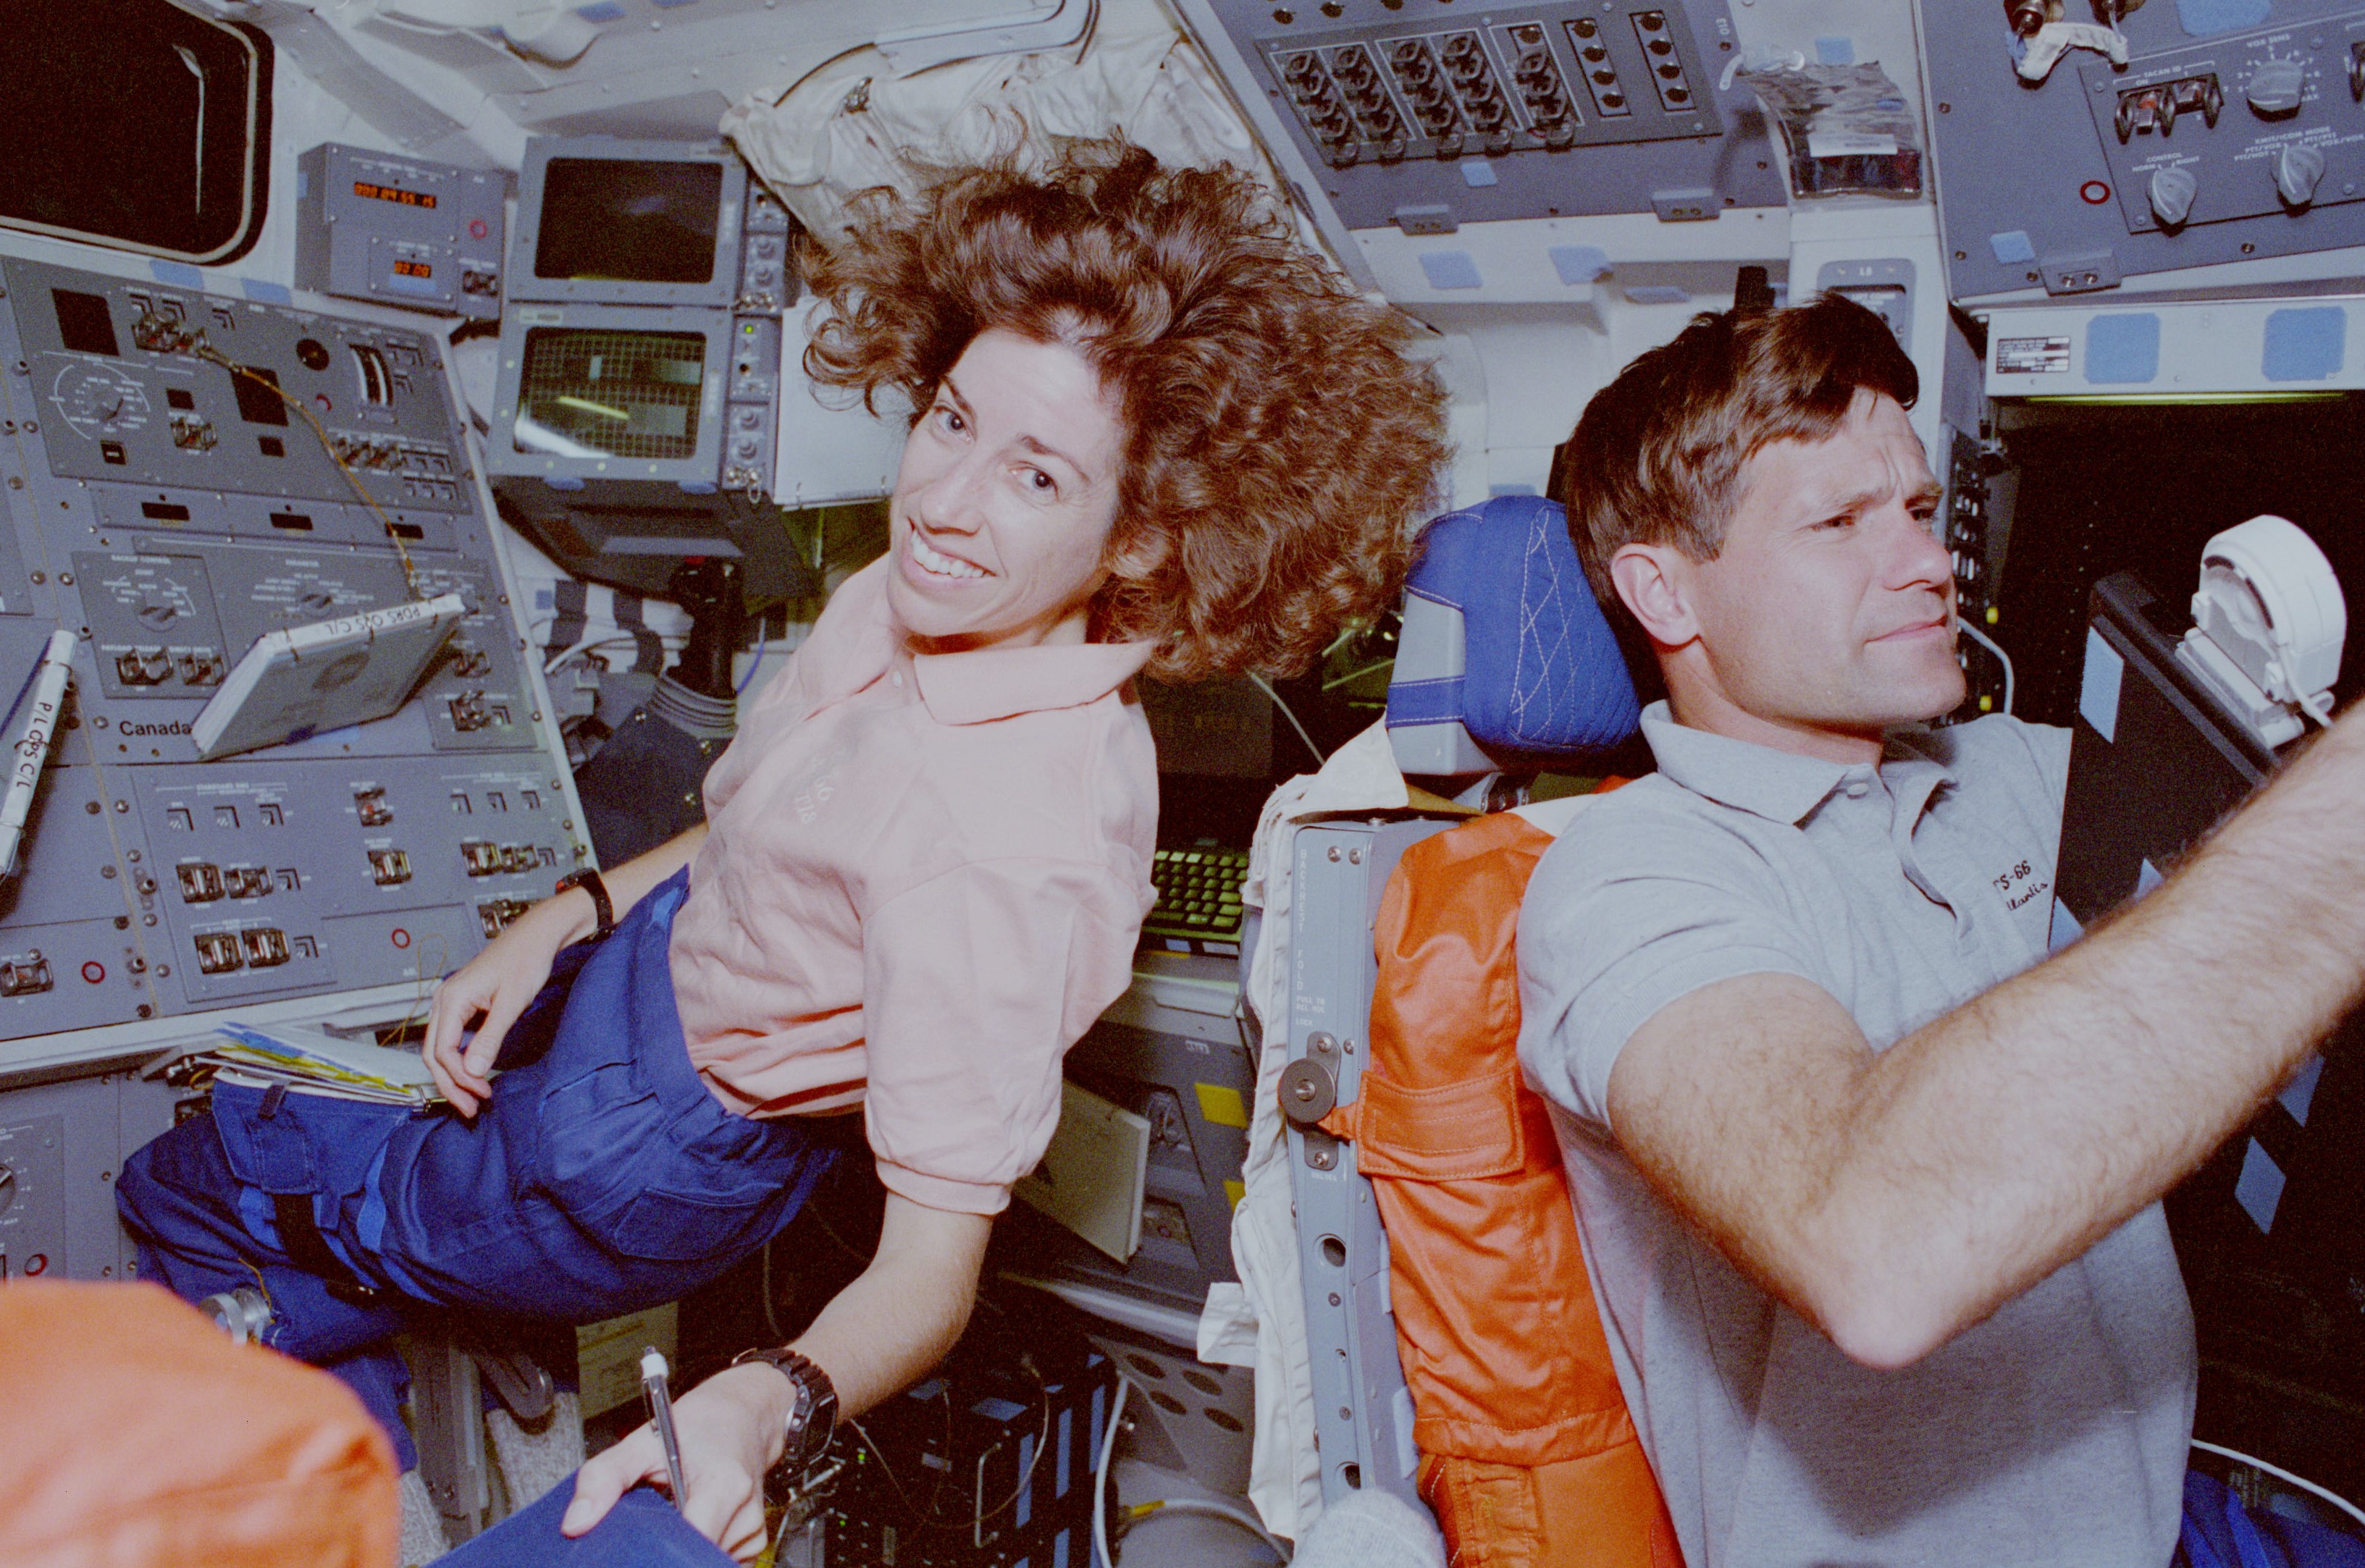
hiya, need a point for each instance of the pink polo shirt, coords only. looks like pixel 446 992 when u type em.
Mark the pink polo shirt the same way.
pixel 923 880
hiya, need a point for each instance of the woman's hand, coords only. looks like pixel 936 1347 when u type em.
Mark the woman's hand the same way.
pixel 732 1428
pixel 497 983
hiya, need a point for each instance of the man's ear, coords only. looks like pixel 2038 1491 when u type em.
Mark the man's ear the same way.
pixel 1655 583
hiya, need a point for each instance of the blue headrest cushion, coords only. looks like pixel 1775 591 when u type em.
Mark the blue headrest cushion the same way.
pixel 1541 670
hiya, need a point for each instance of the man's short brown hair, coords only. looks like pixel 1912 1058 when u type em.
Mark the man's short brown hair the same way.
pixel 1656 458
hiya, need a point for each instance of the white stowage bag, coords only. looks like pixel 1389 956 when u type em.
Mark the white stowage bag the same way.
pixel 848 126
pixel 1261 1321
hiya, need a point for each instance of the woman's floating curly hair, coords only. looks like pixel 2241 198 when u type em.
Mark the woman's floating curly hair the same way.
pixel 1279 446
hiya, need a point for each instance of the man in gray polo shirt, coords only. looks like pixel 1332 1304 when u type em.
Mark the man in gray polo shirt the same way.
pixel 1870 1194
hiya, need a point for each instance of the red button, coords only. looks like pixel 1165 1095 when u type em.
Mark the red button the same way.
pixel 93 971
pixel 401 938
pixel 38 1263
pixel 2093 193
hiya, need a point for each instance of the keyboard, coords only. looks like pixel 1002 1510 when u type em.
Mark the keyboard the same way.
pixel 1198 908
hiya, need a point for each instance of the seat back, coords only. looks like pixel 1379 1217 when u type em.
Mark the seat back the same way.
pixel 1526 1451
pixel 1528 1455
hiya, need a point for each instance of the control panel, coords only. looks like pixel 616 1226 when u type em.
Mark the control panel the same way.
pixel 2268 126
pixel 184 473
pixel 1427 117
pixel 2205 149
pixel 400 231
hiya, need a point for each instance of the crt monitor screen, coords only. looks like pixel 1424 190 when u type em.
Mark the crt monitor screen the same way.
pixel 600 393
pixel 636 221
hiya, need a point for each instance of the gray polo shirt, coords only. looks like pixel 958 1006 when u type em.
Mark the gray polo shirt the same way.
pixel 2053 1432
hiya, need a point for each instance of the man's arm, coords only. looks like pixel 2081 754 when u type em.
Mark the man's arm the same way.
pixel 1895 1199
pixel 900 1318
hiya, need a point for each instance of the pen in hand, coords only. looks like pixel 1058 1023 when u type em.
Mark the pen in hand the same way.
pixel 653 1383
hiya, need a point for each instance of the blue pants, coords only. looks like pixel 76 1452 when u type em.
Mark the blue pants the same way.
pixel 602 1177
pixel 642 1532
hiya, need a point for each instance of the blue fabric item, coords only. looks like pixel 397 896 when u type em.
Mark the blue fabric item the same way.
pixel 266 290
pixel 2207 18
pixel 2305 342
pixel 642 1531
pixel 2123 349
pixel 602 1177
pixel 1542 673
pixel 1451 269
pixel 2219 1533
pixel 1477 173
pixel 1579 264
pixel 1835 51
pixel 2012 245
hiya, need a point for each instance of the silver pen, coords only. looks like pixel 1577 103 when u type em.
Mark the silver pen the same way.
pixel 653 1383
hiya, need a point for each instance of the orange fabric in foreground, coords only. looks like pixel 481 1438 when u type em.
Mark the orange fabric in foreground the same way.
pixel 138 1437
pixel 1530 1458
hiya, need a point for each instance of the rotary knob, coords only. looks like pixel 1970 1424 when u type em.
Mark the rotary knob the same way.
pixel 2274 88
pixel 2298 167
pixel 2172 192
pixel 1308 1093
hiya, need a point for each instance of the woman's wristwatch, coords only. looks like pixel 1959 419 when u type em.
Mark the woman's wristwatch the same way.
pixel 813 1418
pixel 603 909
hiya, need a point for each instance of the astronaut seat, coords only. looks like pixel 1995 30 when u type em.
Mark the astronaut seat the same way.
pixel 1427 1178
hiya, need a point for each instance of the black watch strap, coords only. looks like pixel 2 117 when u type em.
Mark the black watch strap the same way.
pixel 602 907
pixel 812 1420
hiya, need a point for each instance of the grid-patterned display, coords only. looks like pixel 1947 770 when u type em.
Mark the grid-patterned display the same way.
pixel 613 394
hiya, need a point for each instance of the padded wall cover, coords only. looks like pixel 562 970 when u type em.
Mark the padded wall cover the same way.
pixel 1542 675
pixel 140 1437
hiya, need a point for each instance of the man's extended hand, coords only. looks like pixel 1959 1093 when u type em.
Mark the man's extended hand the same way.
pixel 732 1428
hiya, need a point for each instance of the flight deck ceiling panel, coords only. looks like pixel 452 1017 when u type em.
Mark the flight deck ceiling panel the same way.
pixel 1426 118
pixel 184 473
pixel 2241 152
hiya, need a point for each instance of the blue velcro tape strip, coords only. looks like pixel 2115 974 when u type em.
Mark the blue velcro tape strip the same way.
pixel 2123 350
pixel 2307 342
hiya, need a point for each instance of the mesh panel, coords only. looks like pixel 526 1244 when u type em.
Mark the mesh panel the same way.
pixel 610 394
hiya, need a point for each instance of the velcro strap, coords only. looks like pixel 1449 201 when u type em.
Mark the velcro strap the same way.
pixel 1436 701
pixel 1457 1132
pixel 299 1236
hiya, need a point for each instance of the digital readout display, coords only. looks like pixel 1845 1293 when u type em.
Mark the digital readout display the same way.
pixel 394 194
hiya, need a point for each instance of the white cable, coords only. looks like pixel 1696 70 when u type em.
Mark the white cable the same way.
pixel 1266 686
pixel 1984 641
pixel 1100 1475
pixel 2238 1456
pixel 1214 1510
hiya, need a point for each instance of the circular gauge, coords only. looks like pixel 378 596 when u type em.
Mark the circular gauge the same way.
pixel 100 400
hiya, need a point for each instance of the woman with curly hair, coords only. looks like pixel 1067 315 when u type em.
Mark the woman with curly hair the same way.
pixel 1151 432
